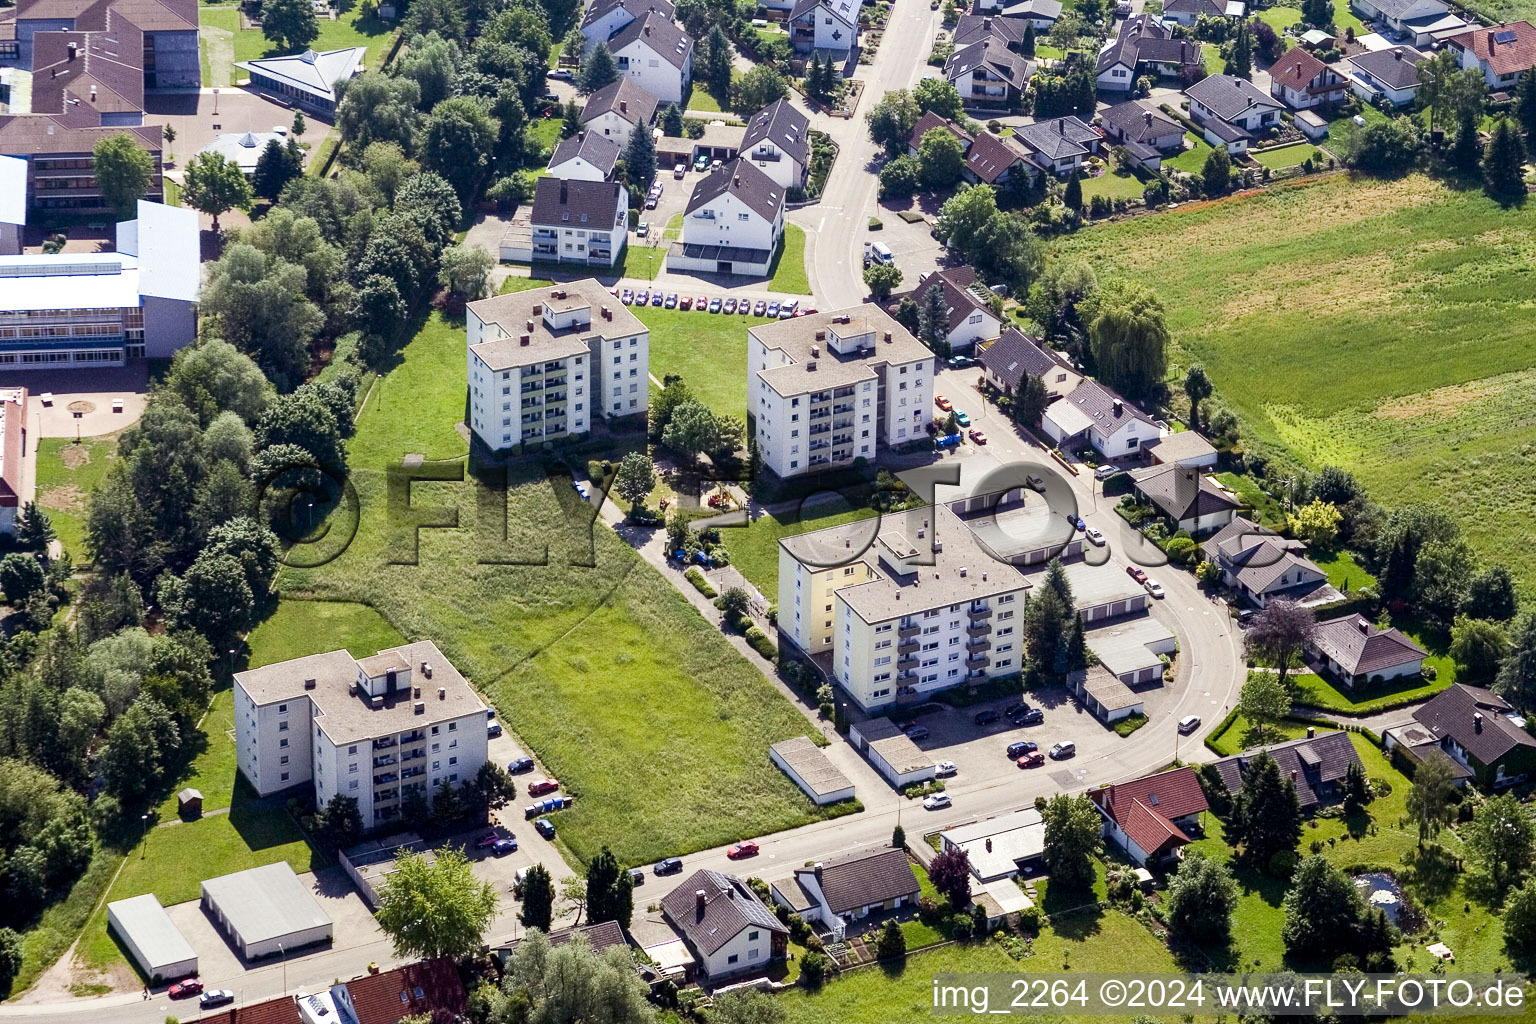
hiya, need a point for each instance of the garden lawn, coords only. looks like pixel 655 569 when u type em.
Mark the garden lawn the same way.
pixel 1280 18
pixel 1215 64
pixel 67 472
pixel 544 131
pixel 1320 691
pixel 708 350
pixel 652 721
pixel 1263 507
pixel 643 258
pixel 1236 737
pixel 1341 128
pixel 1344 573
pixel 1282 157
pixel 353 28
pixel 1113 185
pixel 754 549
pixel 1411 364
pixel 1344 19
pixel 787 273
pixel 1192 160
pixel 417 406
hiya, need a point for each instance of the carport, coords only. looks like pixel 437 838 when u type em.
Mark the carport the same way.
pixel 1105 696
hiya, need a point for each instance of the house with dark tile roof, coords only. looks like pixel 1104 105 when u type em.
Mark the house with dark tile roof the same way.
pixel 1419 22
pixel 1093 413
pixel 618 109
pixel 1353 651
pixel 973 28
pixel 1304 82
pixel 605 18
pixel 1481 731
pixel 1187 12
pixel 997 160
pixel 1262 566
pixel 1189 499
pixel 1060 144
pixel 585 156
pixel 1391 74
pixel 583 222
pixel 930 121
pixel 970 318
pixel 1144 46
pixel 1316 765
pixel 1014 354
pixel 1231 112
pixel 988 74
pixel 725 924
pixel 778 143
pixel 1146 134
pixel 656 54
pixel 733 224
pixel 839 893
pixel 1154 817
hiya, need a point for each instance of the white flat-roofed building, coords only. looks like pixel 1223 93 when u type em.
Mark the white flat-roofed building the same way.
pixel 1005 512
pixel 892 752
pixel 103 308
pixel 266 911
pixel 999 847
pixel 1132 650
pixel 1101 592
pixel 152 938
pixel 541 362
pixel 13 203
pixel 833 387
pixel 808 767
pixel 372 729
pixel 904 606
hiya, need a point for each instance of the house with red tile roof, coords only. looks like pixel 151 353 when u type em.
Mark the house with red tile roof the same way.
pixel 1502 52
pixel 1302 81
pixel 1152 818
pixel 428 987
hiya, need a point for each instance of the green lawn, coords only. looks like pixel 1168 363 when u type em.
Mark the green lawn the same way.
pixel 643 258
pixel 1192 160
pixel 700 98
pixel 651 720
pixel 67 472
pixel 1344 18
pixel 709 351
pixel 1344 573
pixel 1282 157
pixel 1443 408
pixel 787 274
pixel 1364 700
pixel 1113 185
pixel 1238 736
pixel 1280 18
pixel 1341 128
pixel 755 549
pixel 1264 508
pixel 1214 64
pixel 351 29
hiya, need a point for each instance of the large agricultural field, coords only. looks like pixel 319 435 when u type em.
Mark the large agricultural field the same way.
pixel 645 713
pixel 1384 326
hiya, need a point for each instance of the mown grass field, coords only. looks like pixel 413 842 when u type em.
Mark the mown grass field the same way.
pixel 650 719
pixel 708 350
pixel 755 549
pixel 1384 326
pixel 67 472
pixel 351 29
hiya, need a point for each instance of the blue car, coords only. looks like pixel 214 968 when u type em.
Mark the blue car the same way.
pixel 545 828
pixel 520 765
pixel 502 847
pixel 493 730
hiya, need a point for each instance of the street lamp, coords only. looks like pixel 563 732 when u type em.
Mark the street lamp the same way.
pixel 282 955
pixel 144 846
pixel 232 663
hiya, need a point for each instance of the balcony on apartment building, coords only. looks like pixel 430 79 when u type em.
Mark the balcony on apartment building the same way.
pixel 413 737
pixel 978 629
pixel 979 614
pixel 413 772
pixel 978 645
pixel 384 743
pixel 978 660
pixel 384 761
pixel 907 646
pixel 386 778
pixel 905 631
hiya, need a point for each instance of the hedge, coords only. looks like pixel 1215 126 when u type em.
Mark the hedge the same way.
pixel 761 643
pixel 1221 727
pixel 696 577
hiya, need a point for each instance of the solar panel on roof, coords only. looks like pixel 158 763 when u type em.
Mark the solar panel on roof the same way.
pixel 1505 36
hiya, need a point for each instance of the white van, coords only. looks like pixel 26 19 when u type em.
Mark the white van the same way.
pixel 1063 750
pixel 879 252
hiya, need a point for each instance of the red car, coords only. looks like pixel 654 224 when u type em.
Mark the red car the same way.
pixel 1033 759
pixel 489 839
pixel 977 437
pixel 741 850
pixel 1136 573
pixel 702 303
pixel 543 786
pixel 686 302
pixel 186 987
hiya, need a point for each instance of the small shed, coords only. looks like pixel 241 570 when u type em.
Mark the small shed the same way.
pixel 151 938
pixel 1317 39
pixel 1311 125
pixel 189 801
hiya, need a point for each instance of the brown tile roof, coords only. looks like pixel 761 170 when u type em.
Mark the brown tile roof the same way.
pixel 1452 714
pixel 1313 763
pixel 990 157
pixel 1296 68
pixel 1183 492
pixel 1516 53
pixel 407 991
pixel 625 98
pixel 1145 808
pixel 1361 648
pixel 865 879
pixel 72 132
pixel 929 121
pixel 105 72
pixel 729 907
pixel 955 283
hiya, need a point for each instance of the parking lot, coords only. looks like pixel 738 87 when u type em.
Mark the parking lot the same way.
pixel 532 848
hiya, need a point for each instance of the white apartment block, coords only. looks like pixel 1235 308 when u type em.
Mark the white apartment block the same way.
pixel 833 387
pixel 903 606
pixel 542 362
pixel 373 729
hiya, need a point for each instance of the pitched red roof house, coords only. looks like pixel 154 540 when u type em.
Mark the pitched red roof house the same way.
pixel 1150 817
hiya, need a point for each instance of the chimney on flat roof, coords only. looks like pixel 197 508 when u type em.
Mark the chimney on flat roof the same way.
pixel 416 692
pixel 72 51
pixel 419 708
pixel 442 693
pixel 523 339
pixel 426 669
pixel 377 702
pixel 309 684
pixel 527 325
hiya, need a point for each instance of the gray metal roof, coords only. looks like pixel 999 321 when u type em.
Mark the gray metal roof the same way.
pixel 264 903
pixel 149 929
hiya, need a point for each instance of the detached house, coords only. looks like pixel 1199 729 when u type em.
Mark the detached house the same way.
pixel 1354 651
pixel 1230 111
pixel 970 318
pixel 1391 74
pixel 1263 566
pixel 583 222
pixel 1144 46
pixel 1419 20
pixel 733 223
pixel 585 156
pixel 1040 13
pixel 1303 82
pixel 930 121
pixel 656 55
pixel 1010 357
pixel 778 143
pixel 824 26
pixel 1060 144
pixel 995 160
pixel 1151 818
pixel 973 28
pixel 841 892
pixel 1092 412
pixel 618 109
pixel 1189 499
pixel 1316 765
pixel 988 74
pixel 1187 12
pixel 606 17
pixel 1145 133
pixel 725 924
pixel 1502 53
pixel 1479 731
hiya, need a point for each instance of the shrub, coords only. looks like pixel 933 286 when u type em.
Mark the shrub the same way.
pixel 761 644
pixel 1031 919
pixel 1282 863
pixel 695 576
pixel 875 224
pixel 962 927
pixel 814 968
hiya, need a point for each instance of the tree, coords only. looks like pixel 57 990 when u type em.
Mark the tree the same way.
pixel 1499 839
pixel 1217 172
pixel 457 139
pixel 882 279
pixel 1516 681
pixel 634 479
pixel 598 69
pixel 1323 910
pixel 433 908
pixel 547 985
pixel 1201 898
pixel 1316 523
pixel 34 530
pixel 1030 399
pixel 214 184
pixel 379 108
pixel 466 268
pixel 1197 388
pixel 141 746
pixel 1478 647
pixel 938 96
pixel 942 158
pixel 1525 107
pixel 1072 197
pixel 306 418
pixel 262 310
pixel 1317 13
pixel 299 126
pixel 573 893
pixel 1466 146
pixel 734 603
pixel 446 18
pixel 433 63
pixel 693 429
pixel 950 874
pixel 750 1006
pixel 717 63
pixel 1263 700
pixel 760 87
pixel 1504 163
pixel 672 121
pixel 640 158
pixel 1240 64
pixel 898 838
pixel 1491 594
pixel 1028 44
pixel 290 25
pixel 609 890
pixel 488 790
pixel 538 898
pixel 1357 788
pixel 123 172
pixel 892 944
pixel 933 320
pixel 1449 93
pixel 1266 813
pixel 1429 799
pixel 891 120
pixel 965 216
pixel 1279 632
pixel 1441 575
pixel 1519 921
pixel 21 576
pixel 1129 337
pixel 10 957
pixel 900 177
pixel 1073 828
pixel 275 168
pixel 340 821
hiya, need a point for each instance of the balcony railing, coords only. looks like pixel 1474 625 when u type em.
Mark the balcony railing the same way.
pixel 980 614
pixel 980 629
pixel 908 646
pixel 906 631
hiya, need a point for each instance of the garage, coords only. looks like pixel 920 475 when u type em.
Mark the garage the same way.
pixel 151 938
pixel 266 911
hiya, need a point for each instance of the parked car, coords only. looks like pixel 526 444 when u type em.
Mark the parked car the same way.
pixel 1136 573
pixel 960 362
pixel 937 802
pixel 1077 522
pixel 637 876
pixel 215 997
pixel 1034 716
pixel 542 786
pixel 700 162
pixel 1105 471
pixel 715 304
pixel 1246 616
pixel 545 828
pixel 916 733
pixel 987 716
pixel 1019 748
pixel 678 170
pixel 686 302
pixel 1189 723
pixel 741 850
pixel 729 307
pixel 773 309
pixel 628 296
pixel 1095 537
pixel 564 74
pixel 494 729
pixel 943 402
pixel 760 308
pixel 1033 759
pixel 671 300
pixel 670 866
pixel 519 765
pixel 643 297
pixel 490 712
pixel 487 840
pixel 643 228
pixel 185 987
pixel 946 769
pixel 502 847
pixel 701 302
pixel 1017 713
pixel 787 309
pixel 1063 750
pixel 1154 588
pixel 962 417
pixel 651 200
pixel 658 299
pixel 977 437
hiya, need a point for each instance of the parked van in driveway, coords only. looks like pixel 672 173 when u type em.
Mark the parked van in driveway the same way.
pixel 879 252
